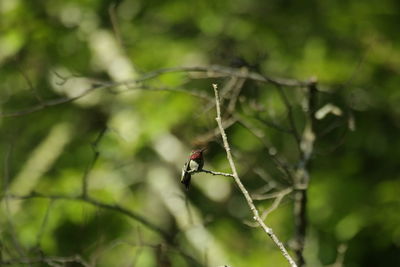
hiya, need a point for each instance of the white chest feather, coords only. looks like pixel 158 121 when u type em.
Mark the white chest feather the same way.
pixel 193 165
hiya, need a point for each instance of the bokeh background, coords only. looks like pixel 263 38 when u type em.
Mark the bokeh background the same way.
pixel 58 49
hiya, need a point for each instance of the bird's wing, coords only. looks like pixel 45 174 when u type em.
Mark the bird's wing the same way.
pixel 186 167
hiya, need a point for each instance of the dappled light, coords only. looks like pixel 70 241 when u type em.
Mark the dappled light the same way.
pixel 199 133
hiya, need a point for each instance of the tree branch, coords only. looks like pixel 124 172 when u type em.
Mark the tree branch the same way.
pixel 52 261
pixel 216 173
pixel 210 71
pixel 221 71
pixel 244 191
pixel 303 177
pixel 113 207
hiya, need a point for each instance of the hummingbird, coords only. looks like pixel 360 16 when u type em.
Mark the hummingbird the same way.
pixel 194 164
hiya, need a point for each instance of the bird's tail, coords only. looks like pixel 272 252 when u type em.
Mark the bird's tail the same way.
pixel 186 179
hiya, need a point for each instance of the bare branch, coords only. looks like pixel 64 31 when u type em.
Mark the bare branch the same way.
pixel 213 70
pixel 302 176
pixel 244 191
pixel 210 71
pixel 216 173
pixel 113 207
pixel 48 260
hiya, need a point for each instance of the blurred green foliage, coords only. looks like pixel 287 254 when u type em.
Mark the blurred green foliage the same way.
pixel 52 49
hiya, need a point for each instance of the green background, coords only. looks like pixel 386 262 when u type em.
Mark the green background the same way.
pixel 55 49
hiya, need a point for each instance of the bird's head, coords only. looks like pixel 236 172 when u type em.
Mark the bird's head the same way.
pixel 197 154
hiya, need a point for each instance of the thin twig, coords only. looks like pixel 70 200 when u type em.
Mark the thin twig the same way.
pixel 213 133
pixel 236 92
pixel 216 173
pixel 224 92
pixel 278 197
pixel 92 163
pixel 272 195
pixel 242 188
pixel 271 151
pixel 44 223
pixel 289 109
pixel 277 202
pixel 30 84
pixel 114 22
pixel 273 125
